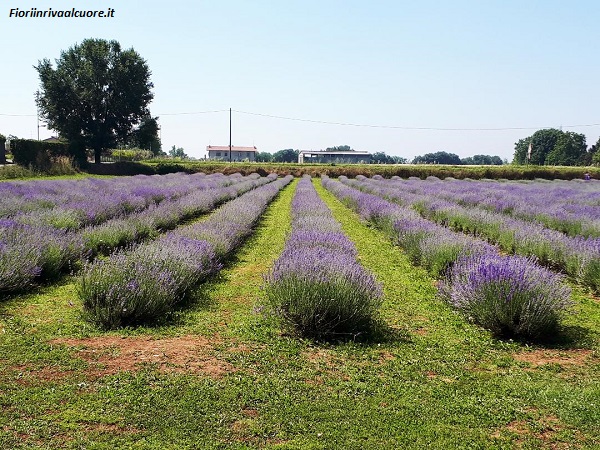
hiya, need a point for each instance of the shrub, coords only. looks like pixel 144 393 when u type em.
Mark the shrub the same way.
pixel 316 286
pixel 143 285
pixel 131 154
pixel 510 296
pixel 20 258
pixel 44 155
pixel 323 294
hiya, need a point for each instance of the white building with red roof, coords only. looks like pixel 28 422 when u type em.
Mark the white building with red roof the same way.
pixel 221 153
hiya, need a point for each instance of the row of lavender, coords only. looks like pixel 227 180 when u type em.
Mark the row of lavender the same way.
pixel 73 204
pixel 509 295
pixel 572 207
pixel 579 257
pixel 30 252
pixel 144 283
pixel 317 286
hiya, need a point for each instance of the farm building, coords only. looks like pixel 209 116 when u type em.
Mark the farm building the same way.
pixel 221 153
pixel 351 157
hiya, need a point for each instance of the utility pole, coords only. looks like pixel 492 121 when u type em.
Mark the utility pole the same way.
pixel 37 97
pixel 229 134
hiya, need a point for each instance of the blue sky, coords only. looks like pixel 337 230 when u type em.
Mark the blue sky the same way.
pixel 427 64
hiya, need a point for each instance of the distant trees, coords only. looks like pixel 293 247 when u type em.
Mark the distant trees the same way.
pixel 340 148
pixel 287 155
pixel 451 158
pixel 437 158
pixel 382 158
pixel 264 157
pixel 482 160
pixel 177 153
pixel 96 94
pixel 553 147
pixel 290 155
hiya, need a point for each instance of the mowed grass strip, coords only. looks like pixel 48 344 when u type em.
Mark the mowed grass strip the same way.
pixel 221 374
pixel 67 384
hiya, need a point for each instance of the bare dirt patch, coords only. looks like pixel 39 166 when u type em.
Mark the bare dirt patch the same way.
pixel 421 331
pixel 385 356
pixel 544 429
pixel 108 428
pixel 536 358
pixel 326 363
pixel 109 355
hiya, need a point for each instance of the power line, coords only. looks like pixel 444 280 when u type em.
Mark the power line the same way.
pixel 192 113
pixel 164 114
pixel 406 127
pixel 350 124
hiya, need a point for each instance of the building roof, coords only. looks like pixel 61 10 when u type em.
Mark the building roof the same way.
pixel 221 148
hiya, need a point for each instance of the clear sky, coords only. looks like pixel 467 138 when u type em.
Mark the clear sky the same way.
pixel 405 65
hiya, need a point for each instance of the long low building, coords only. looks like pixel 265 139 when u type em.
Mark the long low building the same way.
pixel 221 153
pixel 320 156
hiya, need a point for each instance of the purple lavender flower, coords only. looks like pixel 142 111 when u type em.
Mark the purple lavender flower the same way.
pixel 510 296
pixel 316 285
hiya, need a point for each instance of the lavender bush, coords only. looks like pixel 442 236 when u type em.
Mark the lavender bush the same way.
pixel 20 258
pixel 29 252
pixel 142 284
pixel 316 286
pixel 510 296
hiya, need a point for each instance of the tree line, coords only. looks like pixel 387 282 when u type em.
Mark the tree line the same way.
pixel 453 159
pixel 290 155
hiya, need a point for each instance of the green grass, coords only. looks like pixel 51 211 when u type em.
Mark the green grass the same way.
pixel 431 380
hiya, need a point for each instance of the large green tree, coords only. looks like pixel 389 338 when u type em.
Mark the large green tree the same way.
pixel 96 95
pixel 570 150
pixel 552 146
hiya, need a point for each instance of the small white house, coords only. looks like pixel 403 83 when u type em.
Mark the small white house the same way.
pixel 221 153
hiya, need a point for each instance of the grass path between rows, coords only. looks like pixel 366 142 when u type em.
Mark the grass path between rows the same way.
pixel 221 373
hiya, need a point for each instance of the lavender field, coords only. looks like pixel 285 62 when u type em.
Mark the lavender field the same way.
pixel 230 311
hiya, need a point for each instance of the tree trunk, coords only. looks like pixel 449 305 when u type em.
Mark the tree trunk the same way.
pixel 97 154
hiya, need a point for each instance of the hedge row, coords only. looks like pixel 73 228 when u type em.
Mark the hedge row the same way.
pixel 509 171
pixel 41 155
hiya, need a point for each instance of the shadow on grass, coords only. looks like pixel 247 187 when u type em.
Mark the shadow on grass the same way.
pixel 41 286
pixel 378 332
pixel 571 337
pixel 568 337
